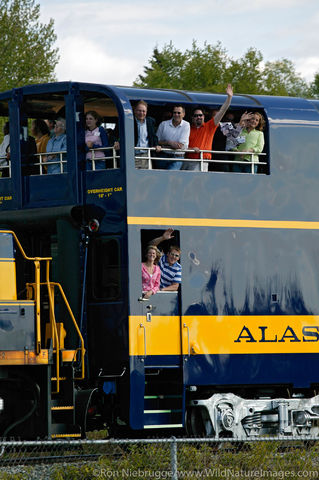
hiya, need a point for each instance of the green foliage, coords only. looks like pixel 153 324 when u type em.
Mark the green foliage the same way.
pixel 210 69
pixel 250 460
pixel 26 45
pixel 280 78
pixel 315 85
pixel 195 69
pixel 202 460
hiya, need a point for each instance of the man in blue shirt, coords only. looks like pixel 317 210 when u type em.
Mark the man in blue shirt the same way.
pixel 171 270
pixel 57 145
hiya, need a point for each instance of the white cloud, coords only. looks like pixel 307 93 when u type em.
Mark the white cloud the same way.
pixel 308 66
pixel 120 36
pixel 86 61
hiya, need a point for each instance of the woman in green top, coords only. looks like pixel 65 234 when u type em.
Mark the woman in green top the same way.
pixel 254 141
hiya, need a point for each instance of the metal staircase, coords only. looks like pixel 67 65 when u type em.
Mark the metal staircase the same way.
pixel 163 398
pixel 62 421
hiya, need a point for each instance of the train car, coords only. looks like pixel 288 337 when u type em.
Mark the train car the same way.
pixel 234 352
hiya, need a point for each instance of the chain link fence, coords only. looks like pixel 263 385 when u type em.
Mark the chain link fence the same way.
pixel 158 458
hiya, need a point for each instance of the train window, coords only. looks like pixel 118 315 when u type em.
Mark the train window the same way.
pixel 167 242
pixel 101 132
pixel 38 116
pixel 148 235
pixel 105 269
pixel 218 153
pixel 47 124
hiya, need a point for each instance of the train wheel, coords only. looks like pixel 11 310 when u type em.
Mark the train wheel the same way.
pixel 86 410
pixel 197 424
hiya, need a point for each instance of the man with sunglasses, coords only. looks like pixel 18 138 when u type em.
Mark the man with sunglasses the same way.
pixel 202 133
pixel 171 269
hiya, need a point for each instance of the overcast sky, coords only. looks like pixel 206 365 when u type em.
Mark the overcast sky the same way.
pixel 104 41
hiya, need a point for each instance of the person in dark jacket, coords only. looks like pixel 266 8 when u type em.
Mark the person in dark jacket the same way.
pixel 144 134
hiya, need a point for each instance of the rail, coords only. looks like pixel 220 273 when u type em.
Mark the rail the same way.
pixel 150 156
pixel 53 324
pixel 34 292
pixel 5 167
pixel 56 345
pixel 95 162
pixel 43 162
pixel 113 157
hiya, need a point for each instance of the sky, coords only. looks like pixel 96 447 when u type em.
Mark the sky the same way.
pixel 102 41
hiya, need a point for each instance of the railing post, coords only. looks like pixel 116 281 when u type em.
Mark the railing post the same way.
pixel 114 157
pixel 37 305
pixel 174 459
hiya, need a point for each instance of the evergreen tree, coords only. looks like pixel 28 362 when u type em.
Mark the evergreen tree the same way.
pixel 27 53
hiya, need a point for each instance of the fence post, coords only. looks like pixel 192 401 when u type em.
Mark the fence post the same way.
pixel 174 458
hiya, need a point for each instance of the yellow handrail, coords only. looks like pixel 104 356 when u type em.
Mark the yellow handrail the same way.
pixel 37 297
pixel 81 349
pixel 53 327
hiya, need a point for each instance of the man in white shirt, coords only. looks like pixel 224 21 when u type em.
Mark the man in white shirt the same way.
pixel 173 134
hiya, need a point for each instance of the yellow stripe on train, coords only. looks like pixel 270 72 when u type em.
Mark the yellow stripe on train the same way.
pixel 205 335
pixel 223 223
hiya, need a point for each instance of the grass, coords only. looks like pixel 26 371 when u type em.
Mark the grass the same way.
pixel 194 460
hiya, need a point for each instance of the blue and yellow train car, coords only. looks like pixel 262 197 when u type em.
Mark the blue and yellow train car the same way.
pixel 235 351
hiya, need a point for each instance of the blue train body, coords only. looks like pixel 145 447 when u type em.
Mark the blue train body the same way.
pixel 235 351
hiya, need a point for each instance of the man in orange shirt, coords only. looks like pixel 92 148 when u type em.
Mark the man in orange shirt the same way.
pixel 201 134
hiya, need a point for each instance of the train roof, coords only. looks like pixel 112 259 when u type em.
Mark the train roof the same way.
pixel 162 96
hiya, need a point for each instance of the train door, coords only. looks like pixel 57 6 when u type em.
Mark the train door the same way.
pixel 106 314
pixel 160 335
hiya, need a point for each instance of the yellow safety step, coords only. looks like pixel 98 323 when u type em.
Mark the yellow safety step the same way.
pixel 66 435
pixel 60 378
pixel 67 407
pixel 68 355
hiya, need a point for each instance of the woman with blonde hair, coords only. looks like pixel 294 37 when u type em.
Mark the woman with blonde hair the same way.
pixel 151 273
pixel 253 127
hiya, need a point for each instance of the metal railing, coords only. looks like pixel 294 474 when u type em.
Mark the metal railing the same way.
pixel 5 167
pixel 43 162
pixel 202 162
pixel 94 161
pixel 113 157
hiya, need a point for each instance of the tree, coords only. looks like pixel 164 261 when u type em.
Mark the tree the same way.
pixel 27 54
pixel 195 69
pixel 165 68
pixel 245 74
pixel 280 78
pixel 210 69
pixel 315 85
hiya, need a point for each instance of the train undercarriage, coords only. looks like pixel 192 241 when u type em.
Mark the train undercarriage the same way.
pixel 229 415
